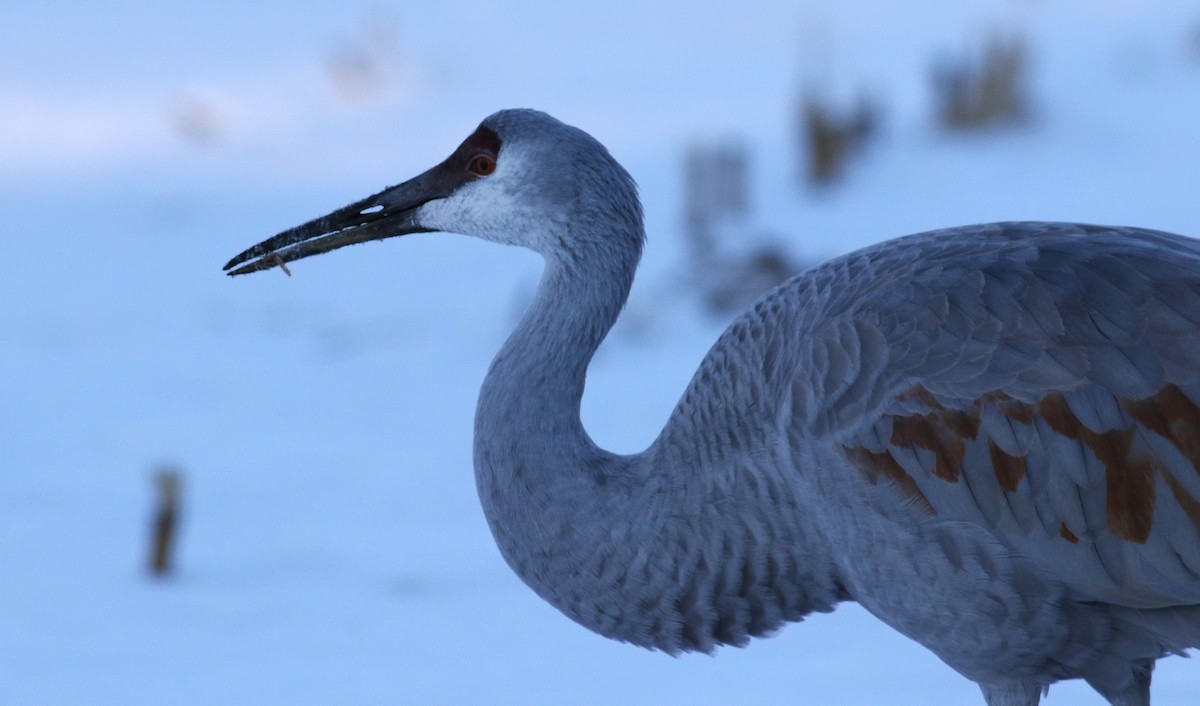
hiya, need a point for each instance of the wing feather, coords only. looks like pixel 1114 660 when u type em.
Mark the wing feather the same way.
pixel 1039 381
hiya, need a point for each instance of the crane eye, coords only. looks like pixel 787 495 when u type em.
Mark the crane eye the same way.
pixel 482 165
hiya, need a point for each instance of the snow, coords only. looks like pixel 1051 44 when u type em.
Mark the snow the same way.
pixel 333 550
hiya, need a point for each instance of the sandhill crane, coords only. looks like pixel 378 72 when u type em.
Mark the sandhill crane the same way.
pixel 988 436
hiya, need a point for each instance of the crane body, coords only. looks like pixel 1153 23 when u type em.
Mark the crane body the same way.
pixel 988 436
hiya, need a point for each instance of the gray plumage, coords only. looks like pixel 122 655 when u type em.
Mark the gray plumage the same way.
pixel 988 436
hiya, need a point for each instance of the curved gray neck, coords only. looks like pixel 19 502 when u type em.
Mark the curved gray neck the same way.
pixel 533 460
pixel 646 548
pixel 535 384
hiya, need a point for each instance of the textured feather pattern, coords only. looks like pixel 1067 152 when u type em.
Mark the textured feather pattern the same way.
pixel 987 436
pixel 998 432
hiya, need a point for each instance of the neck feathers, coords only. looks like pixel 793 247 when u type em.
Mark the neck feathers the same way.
pixel 653 549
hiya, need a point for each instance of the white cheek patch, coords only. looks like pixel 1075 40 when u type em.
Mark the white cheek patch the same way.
pixel 484 209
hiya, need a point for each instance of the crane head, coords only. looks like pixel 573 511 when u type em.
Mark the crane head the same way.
pixel 521 178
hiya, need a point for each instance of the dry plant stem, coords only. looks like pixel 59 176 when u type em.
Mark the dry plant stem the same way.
pixel 166 521
pixel 282 265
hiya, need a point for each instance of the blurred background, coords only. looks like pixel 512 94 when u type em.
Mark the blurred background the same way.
pixel 260 490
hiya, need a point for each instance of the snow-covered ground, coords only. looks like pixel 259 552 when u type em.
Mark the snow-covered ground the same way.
pixel 333 550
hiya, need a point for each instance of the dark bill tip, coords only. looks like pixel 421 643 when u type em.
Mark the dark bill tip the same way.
pixel 390 213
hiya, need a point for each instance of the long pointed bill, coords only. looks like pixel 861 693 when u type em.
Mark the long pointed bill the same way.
pixel 389 213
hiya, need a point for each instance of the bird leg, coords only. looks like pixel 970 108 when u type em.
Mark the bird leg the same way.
pixel 1020 693
pixel 1137 694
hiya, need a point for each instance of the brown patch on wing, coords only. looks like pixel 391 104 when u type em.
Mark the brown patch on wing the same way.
pixel 1012 409
pixel 1130 476
pixel 1066 533
pixel 1130 502
pixel 1130 491
pixel 883 465
pixel 1129 486
pixel 1009 469
pixel 941 431
pixel 921 394
pixel 1171 415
